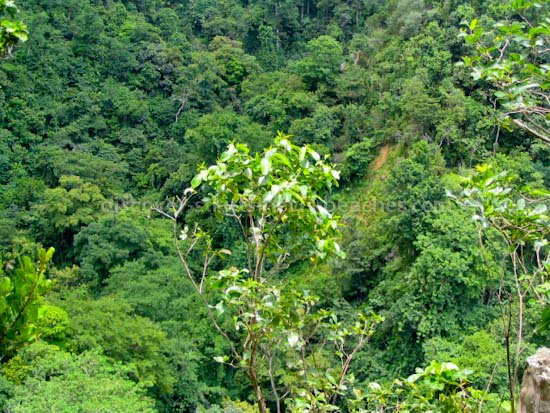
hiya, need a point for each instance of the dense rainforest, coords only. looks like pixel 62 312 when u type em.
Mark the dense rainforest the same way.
pixel 272 205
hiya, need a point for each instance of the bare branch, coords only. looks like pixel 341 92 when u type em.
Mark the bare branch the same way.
pixel 541 135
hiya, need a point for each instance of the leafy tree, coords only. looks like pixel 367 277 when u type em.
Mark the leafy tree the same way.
pixel 480 352
pixel 267 53
pixel 12 31
pixel 511 55
pixel 116 239
pixel 62 211
pixel 419 107
pixel 168 299
pixel 113 104
pixel 210 19
pixel 276 203
pixel 108 324
pixel 438 387
pixel 317 129
pixel 355 84
pixel 408 17
pixel 23 285
pixel 233 63
pixel 229 407
pixel 322 63
pixel 458 125
pixel 96 163
pixel 519 216
pixel 358 158
pixel 216 130
pixel 414 189
pixel 448 279
pixel 5 392
pixel 213 76
pixel 49 379
pixel 277 98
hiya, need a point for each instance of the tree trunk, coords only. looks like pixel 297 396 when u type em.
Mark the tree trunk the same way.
pixel 262 408
pixel 535 393
pixel 252 371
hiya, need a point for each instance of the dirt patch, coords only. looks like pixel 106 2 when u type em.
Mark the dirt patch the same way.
pixel 382 158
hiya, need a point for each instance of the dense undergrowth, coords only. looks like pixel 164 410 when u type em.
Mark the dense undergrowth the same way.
pixel 110 107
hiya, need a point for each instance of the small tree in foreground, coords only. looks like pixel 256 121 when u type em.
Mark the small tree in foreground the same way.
pixel 519 216
pixel 12 31
pixel 286 345
pixel 23 285
pixel 440 387
pixel 512 56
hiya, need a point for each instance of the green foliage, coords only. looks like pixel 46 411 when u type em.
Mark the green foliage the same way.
pixel 448 277
pixel 322 63
pixel 276 203
pixel 62 211
pixel 108 324
pixel 276 199
pixel 216 130
pixel 440 387
pixel 419 107
pixel 48 378
pixel 277 98
pixel 519 216
pixel 12 31
pixel 509 55
pixel 5 392
pixel 317 129
pixel 545 318
pixel 414 188
pixel 110 106
pixel 166 297
pixel 287 327
pixel 358 158
pixel 479 352
pixel 213 77
pixel 229 407
pixel 24 314
pixel 92 163
pixel 119 238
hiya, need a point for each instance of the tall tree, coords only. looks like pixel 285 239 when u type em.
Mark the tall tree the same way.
pixel 275 199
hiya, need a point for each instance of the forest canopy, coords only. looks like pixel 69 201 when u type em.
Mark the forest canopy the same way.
pixel 274 206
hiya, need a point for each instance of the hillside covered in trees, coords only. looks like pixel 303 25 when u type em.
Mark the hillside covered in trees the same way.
pixel 272 205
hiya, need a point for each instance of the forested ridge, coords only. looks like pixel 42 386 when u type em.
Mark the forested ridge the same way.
pixel 272 205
